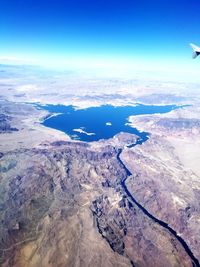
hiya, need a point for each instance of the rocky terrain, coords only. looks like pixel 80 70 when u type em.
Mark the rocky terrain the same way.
pixel 5 124
pixel 20 127
pixel 57 204
pixel 106 203
pixel 63 204
pixel 168 184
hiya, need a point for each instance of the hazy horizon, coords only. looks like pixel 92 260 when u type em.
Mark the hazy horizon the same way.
pixel 110 35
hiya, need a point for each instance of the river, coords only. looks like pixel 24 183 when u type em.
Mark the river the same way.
pixel 195 262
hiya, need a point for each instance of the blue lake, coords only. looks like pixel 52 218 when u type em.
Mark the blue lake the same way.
pixel 95 123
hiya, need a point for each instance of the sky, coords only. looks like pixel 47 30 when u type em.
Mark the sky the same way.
pixel 139 34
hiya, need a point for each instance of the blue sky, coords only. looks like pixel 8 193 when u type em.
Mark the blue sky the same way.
pixel 141 34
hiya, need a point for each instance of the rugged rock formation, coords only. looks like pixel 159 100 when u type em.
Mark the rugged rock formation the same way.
pixel 57 202
pixel 166 173
pixel 63 203
pixel 5 126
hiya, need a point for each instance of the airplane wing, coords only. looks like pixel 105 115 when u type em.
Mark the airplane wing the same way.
pixel 196 50
pixel 194 55
pixel 194 47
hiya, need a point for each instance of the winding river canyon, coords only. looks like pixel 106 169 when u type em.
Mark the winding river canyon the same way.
pixel 143 138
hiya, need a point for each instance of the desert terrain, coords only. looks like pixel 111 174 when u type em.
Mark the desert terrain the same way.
pixel 104 203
